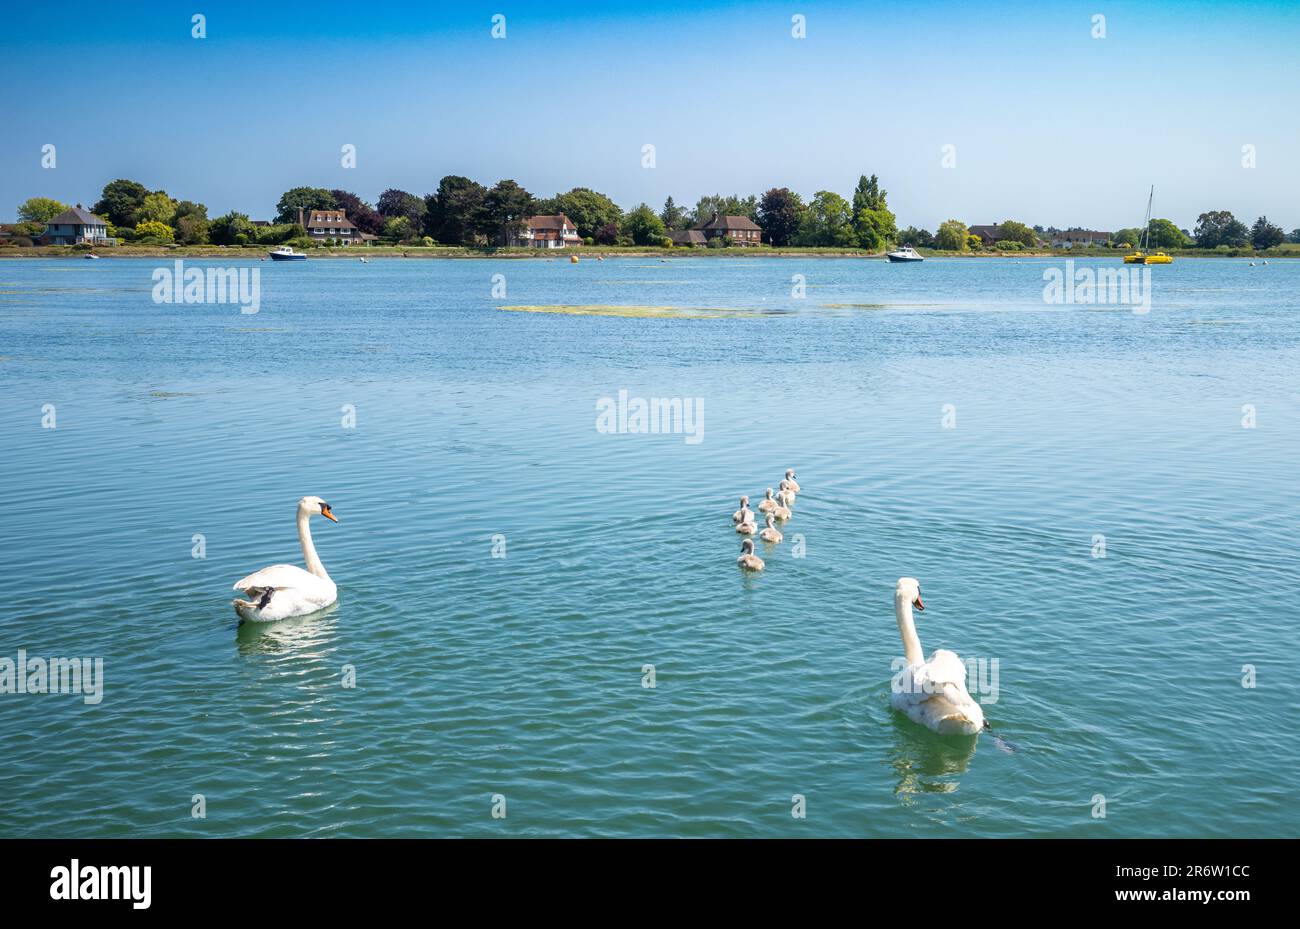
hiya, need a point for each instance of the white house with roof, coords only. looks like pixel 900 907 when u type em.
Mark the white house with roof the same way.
pixel 75 226
pixel 547 232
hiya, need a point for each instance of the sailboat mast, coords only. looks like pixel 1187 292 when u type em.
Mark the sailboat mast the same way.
pixel 1146 225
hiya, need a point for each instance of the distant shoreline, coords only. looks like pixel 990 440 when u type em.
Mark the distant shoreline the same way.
pixel 589 252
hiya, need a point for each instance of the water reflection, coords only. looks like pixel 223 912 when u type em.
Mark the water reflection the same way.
pixel 924 762
pixel 308 637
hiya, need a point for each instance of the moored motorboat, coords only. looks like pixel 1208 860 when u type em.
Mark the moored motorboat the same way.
pixel 906 253
pixel 285 253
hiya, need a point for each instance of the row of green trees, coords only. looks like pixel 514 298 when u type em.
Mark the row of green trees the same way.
pixel 1218 229
pixel 955 236
pixel 1215 229
pixel 464 212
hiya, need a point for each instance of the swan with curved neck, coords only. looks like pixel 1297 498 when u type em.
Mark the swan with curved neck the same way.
pixel 740 514
pixel 284 590
pixel 789 477
pixel 770 533
pixel 932 693
pixel 784 495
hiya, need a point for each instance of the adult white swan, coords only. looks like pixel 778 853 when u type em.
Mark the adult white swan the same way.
pixel 285 590
pixel 932 693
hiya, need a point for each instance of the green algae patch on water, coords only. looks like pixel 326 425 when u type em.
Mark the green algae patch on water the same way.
pixel 635 312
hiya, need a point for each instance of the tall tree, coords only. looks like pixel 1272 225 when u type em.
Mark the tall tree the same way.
pixel 1265 235
pixel 917 238
pixel 119 201
pixel 1011 231
pixel 360 213
pixel 394 202
pixel 450 212
pixel 305 199
pixel 868 195
pixel 779 214
pixel 503 211
pixel 951 236
pixel 224 230
pixel 191 222
pixel 39 210
pixel 588 209
pixel 828 222
pixel 644 226
pixel 1162 233
pixel 672 216
pixel 1220 227
pixel 874 225
pixel 731 205
pixel 157 207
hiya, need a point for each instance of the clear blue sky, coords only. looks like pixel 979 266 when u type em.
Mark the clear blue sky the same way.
pixel 1050 125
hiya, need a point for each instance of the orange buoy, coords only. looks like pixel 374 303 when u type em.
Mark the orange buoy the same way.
pixel 573 259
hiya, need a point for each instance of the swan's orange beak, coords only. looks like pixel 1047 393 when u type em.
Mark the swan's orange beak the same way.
pixel 328 513
pixel 918 604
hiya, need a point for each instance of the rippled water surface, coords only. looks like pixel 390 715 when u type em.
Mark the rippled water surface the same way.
pixel 1118 677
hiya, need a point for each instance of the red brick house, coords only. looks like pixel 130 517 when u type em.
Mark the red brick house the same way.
pixel 741 229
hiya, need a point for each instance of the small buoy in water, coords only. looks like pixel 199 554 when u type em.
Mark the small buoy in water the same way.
pixel 1252 264
pixel 363 260
pixel 573 259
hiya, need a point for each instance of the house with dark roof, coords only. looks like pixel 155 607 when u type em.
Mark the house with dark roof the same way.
pixel 547 232
pixel 1069 238
pixel 740 229
pixel 688 237
pixel 332 225
pixel 988 234
pixel 75 226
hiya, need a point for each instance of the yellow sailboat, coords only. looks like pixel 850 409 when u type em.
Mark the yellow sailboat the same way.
pixel 1141 257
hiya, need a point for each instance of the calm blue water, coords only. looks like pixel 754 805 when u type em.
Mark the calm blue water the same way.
pixel 522 676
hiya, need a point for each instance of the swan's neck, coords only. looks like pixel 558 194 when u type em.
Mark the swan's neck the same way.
pixel 907 629
pixel 308 549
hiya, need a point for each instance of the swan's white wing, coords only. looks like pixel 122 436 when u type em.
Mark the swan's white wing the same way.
pixel 944 667
pixel 934 694
pixel 281 591
pixel 278 575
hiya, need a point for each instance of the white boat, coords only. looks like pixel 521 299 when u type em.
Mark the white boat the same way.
pixel 906 253
pixel 285 253
pixel 90 255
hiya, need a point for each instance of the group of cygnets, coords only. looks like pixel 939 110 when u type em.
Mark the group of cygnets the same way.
pixel 773 507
